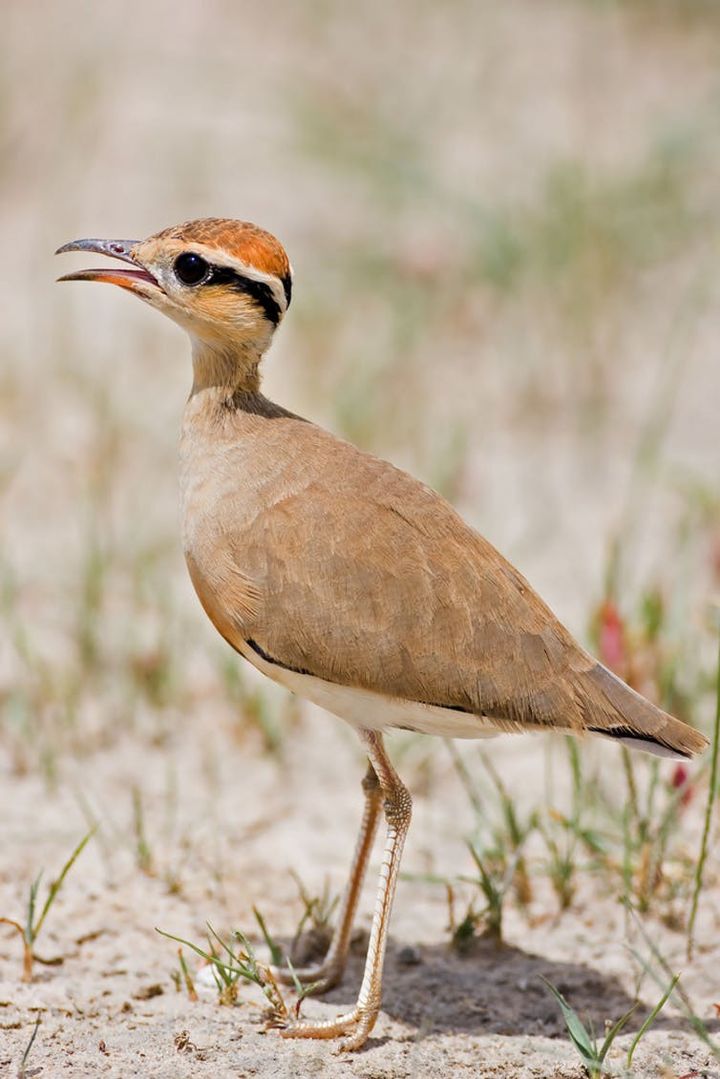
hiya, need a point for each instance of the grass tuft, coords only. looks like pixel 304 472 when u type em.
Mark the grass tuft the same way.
pixel 240 965
pixel 592 1055
pixel 30 931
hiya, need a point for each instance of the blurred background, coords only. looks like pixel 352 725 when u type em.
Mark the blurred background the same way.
pixel 503 221
pixel 503 224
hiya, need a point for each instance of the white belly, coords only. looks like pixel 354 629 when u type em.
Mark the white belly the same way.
pixel 363 708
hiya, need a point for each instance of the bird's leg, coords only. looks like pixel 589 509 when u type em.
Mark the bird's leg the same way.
pixel 325 975
pixel 357 1023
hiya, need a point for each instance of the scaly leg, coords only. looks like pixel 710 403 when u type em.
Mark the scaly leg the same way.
pixel 357 1024
pixel 330 971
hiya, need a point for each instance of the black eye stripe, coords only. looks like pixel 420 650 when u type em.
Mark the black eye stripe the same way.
pixel 193 270
pixel 258 290
pixel 287 286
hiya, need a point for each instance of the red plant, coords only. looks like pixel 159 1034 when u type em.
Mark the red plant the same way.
pixel 680 780
pixel 611 637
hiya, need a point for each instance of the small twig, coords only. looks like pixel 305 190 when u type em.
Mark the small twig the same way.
pixel 187 978
pixel 27 949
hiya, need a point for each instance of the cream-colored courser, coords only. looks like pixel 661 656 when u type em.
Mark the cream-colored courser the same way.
pixel 345 579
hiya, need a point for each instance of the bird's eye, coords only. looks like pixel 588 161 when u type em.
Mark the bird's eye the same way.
pixel 191 269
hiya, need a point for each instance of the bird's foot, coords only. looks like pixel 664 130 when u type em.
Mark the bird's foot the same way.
pixel 317 978
pixel 353 1027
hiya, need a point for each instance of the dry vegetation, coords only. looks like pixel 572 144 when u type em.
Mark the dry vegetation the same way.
pixel 503 221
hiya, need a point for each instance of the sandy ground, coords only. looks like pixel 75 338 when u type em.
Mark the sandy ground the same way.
pixel 237 826
pixel 380 144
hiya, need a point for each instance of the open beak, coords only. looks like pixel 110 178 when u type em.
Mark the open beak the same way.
pixel 136 280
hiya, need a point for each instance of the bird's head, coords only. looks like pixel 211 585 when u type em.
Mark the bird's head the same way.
pixel 228 283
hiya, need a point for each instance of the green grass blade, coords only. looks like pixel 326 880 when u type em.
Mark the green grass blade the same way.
pixel 57 884
pixel 712 793
pixel 579 1036
pixel 216 961
pixel 22 1070
pixel 301 990
pixel 230 975
pixel 465 777
pixel 681 997
pixel 225 947
pixel 614 1031
pixel 32 900
pixel 651 1018
pixel 275 950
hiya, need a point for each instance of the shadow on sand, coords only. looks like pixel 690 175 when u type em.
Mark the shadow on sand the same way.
pixel 497 990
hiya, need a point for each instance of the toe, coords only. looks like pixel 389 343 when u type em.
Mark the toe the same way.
pixel 331 1028
pixel 359 1034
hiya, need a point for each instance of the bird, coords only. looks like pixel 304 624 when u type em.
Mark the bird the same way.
pixel 345 579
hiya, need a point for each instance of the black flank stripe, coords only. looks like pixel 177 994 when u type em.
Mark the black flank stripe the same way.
pixel 258 290
pixel 271 659
pixel 301 670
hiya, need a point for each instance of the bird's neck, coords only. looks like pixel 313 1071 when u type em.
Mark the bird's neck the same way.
pixel 230 369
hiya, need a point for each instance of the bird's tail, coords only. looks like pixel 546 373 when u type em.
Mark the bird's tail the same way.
pixel 614 710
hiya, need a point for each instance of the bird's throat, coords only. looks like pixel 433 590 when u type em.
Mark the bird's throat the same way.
pixel 232 369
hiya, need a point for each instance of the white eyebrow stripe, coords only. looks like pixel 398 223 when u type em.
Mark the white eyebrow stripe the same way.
pixel 217 257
